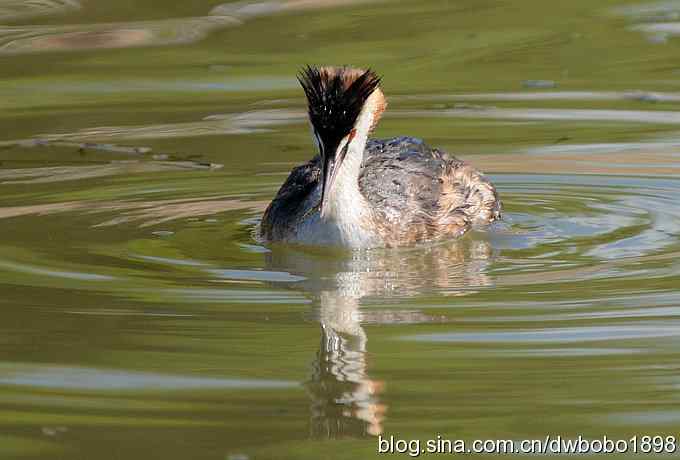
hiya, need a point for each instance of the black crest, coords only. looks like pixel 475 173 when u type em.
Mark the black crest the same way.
pixel 336 97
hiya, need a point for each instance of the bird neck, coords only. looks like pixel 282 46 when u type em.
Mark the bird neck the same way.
pixel 345 202
pixel 346 208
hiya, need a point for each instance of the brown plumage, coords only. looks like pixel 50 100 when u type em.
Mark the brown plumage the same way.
pixel 399 192
pixel 421 194
pixel 417 193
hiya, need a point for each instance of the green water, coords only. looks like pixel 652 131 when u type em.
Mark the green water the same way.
pixel 142 140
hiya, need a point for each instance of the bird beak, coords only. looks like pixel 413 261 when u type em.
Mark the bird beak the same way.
pixel 330 167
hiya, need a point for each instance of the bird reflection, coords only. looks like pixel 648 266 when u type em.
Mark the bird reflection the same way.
pixel 345 400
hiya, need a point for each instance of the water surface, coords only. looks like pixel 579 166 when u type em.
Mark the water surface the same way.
pixel 141 142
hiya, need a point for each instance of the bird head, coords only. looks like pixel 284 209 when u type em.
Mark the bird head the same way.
pixel 344 105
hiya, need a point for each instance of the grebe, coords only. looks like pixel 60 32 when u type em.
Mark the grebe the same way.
pixel 361 193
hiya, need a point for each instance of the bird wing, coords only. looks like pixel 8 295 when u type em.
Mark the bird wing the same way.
pixel 288 207
pixel 423 194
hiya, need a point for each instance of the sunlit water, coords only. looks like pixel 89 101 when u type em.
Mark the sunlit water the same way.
pixel 142 318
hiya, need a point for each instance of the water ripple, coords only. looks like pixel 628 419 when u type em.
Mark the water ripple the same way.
pixel 14 9
pixel 557 335
pixel 26 39
pixel 37 38
pixel 83 378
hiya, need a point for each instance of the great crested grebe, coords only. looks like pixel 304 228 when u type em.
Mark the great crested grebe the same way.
pixel 362 193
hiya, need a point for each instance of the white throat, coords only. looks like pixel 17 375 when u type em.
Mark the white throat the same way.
pixel 344 198
pixel 345 207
